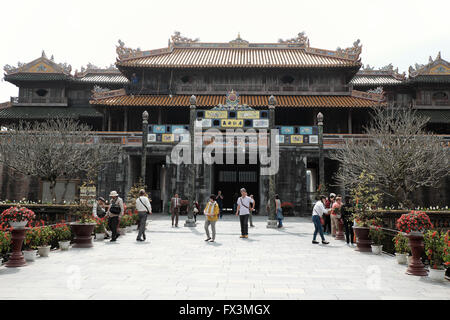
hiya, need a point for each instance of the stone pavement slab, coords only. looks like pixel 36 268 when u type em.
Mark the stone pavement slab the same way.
pixel 175 263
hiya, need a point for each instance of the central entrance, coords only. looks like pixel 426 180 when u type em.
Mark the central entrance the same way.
pixel 230 178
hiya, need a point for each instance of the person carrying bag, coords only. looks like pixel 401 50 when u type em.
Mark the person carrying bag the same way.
pixel 144 208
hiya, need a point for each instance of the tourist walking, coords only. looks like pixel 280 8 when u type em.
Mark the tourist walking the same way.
pixel 196 210
pixel 115 211
pixel 335 215
pixel 347 218
pixel 144 208
pixel 175 205
pixel 250 216
pixel 219 200
pixel 244 206
pixel 318 211
pixel 211 213
pixel 279 211
pixel 326 218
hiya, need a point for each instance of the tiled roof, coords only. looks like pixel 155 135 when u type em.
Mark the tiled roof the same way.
pixel 251 101
pixel 374 80
pixel 430 79
pixel 237 57
pixel 93 77
pixel 48 112
pixel 436 116
pixel 36 77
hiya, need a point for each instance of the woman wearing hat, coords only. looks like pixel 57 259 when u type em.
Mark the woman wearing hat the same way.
pixel 115 210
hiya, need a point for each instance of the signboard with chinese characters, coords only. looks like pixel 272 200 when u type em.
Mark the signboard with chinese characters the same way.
pixel 232 123
pixel 87 194
pixel 296 138
pixel 216 114
pixel 248 114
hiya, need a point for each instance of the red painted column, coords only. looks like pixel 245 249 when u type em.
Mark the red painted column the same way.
pixel 17 259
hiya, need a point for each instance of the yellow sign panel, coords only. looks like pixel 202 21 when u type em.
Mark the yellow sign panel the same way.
pixel 248 114
pixel 216 114
pixel 440 69
pixel 230 123
pixel 167 137
pixel 41 68
pixel 296 138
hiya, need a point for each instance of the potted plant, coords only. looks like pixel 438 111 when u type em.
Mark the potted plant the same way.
pixel 5 243
pixel 83 228
pixel 63 235
pixel 447 254
pixel 287 208
pixel 366 198
pixel 31 243
pixel 434 249
pixel 17 217
pixel 45 235
pixel 401 247
pixel 414 224
pixel 376 235
pixel 123 223
pixel 100 229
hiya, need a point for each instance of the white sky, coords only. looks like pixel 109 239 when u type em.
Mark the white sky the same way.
pixel 401 32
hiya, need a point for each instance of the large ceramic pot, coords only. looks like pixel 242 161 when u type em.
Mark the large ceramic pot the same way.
pixel 437 274
pixel 30 255
pixel 82 234
pixel 401 257
pixel 44 251
pixel 416 267
pixel 363 243
pixel 16 259
pixel 64 245
pixel 340 230
pixel 376 249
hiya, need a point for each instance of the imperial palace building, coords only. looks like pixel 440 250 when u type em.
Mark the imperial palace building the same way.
pixel 235 84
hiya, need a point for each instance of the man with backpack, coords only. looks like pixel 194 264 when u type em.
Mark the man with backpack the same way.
pixel 115 211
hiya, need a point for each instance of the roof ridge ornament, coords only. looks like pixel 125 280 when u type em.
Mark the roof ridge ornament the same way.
pixel 127 53
pixel 232 102
pixel 301 39
pixel 239 42
pixel 437 67
pixel 352 51
pixel 177 38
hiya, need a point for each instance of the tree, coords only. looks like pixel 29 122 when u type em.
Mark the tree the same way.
pixel 398 153
pixel 55 149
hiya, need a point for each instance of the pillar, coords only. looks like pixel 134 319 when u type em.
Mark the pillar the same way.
pixel 190 220
pixel 144 144
pixel 271 216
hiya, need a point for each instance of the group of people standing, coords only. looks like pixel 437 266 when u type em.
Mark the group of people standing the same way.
pixel 328 213
pixel 115 209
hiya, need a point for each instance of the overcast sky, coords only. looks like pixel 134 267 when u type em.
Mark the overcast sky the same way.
pixel 77 32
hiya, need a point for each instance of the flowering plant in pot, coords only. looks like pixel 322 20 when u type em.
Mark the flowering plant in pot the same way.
pixel 84 227
pixel 434 249
pixel 124 223
pixel 402 249
pixel 447 254
pixel 376 234
pixel 414 224
pixel 287 207
pixel 45 235
pixel 63 235
pixel 31 243
pixel 100 228
pixel 5 243
pixel 17 217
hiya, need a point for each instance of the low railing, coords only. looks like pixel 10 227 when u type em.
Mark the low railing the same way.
pixel 38 100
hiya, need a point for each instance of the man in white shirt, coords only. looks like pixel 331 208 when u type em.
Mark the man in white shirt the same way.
pixel 144 208
pixel 244 205
pixel 318 211
pixel 175 204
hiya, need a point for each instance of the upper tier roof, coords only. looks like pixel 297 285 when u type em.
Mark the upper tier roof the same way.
pixel 436 71
pixel 187 53
pixel 385 76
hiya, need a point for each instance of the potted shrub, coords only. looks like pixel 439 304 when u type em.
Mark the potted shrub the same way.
pixel 5 243
pixel 100 229
pixel 17 217
pixel 366 198
pixel 434 249
pixel 414 224
pixel 401 247
pixel 287 208
pixel 447 254
pixel 63 235
pixel 376 235
pixel 83 228
pixel 45 235
pixel 31 243
pixel 123 223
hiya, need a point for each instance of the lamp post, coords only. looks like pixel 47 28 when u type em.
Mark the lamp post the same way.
pixel 271 222
pixel 144 144
pixel 190 222
pixel 321 161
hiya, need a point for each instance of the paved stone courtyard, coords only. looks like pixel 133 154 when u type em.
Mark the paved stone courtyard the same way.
pixel 177 264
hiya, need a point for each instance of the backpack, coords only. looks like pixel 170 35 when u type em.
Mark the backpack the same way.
pixel 115 208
